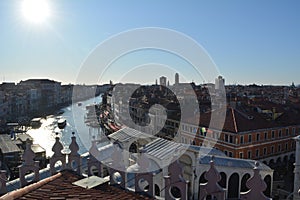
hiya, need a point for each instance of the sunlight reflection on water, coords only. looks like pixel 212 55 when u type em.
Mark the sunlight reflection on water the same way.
pixel 45 135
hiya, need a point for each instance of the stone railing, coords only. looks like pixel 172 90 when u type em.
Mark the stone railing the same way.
pixel 256 185
pixel 175 186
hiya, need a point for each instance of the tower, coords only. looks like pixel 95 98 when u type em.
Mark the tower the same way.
pixel 297 169
pixel 176 79
pixel 163 81
pixel 219 83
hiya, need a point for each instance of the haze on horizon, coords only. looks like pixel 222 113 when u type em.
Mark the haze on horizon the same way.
pixel 250 41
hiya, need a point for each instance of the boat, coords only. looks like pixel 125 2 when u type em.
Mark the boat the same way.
pixel 60 112
pixel 35 123
pixel 79 104
pixel 61 123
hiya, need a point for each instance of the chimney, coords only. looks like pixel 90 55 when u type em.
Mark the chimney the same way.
pixel 274 113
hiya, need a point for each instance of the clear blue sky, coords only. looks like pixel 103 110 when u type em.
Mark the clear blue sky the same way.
pixel 255 41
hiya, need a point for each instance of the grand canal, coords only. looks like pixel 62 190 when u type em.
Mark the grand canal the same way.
pixel 74 114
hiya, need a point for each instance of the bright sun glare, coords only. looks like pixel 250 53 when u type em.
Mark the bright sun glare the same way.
pixel 36 11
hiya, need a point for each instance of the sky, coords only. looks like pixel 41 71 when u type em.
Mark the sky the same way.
pixel 250 41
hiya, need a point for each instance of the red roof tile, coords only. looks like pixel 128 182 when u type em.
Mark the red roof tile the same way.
pixel 60 186
pixel 242 119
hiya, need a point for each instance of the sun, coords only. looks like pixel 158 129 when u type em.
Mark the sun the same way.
pixel 36 11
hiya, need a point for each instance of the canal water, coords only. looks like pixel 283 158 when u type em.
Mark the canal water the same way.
pixel 74 114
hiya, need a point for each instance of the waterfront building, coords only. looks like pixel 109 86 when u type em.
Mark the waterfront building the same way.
pixel 50 91
pixel 9 155
pixel 3 108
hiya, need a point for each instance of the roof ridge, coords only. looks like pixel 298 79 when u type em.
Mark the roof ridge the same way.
pixel 22 191
pixel 234 120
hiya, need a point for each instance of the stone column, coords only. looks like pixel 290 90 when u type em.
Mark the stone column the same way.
pixel 3 180
pixel 297 169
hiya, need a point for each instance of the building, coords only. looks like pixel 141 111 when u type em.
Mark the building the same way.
pixel 49 90
pixel 3 108
pixel 163 81
pixel 160 169
pixel 296 192
pixel 176 79
pixel 219 83
pixel 9 155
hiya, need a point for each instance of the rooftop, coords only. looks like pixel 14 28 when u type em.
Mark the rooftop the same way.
pixel 243 119
pixel 7 145
pixel 60 186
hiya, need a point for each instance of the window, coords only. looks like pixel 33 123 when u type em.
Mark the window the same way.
pixel 231 139
pixel 286 146
pixel 279 147
pixel 257 136
pixel 241 155
pixel 226 138
pixel 287 131
pixel 249 154
pixel 272 149
pixel 249 138
pixel 266 135
pixel 257 153
pixel 294 131
pixel 265 151
pixel 279 133
pixel 242 140
pixel 230 154
pixel 273 134
pixel 226 153
pixel 194 130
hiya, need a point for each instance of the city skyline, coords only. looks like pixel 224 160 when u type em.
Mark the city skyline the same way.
pixel 250 42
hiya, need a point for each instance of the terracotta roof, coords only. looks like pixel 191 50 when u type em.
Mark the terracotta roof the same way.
pixel 242 119
pixel 60 186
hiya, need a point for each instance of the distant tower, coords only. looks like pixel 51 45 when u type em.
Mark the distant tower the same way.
pixel 163 81
pixel 168 83
pixel 176 79
pixel 297 169
pixel 155 81
pixel 110 82
pixel 219 83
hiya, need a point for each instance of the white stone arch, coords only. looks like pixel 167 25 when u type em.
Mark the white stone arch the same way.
pixel 200 170
pixel 158 174
pixel 188 165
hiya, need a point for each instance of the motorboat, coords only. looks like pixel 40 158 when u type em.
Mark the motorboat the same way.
pixel 35 123
pixel 61 123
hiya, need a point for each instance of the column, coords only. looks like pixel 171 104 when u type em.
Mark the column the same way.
pixel 297 169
